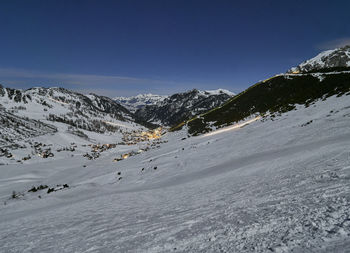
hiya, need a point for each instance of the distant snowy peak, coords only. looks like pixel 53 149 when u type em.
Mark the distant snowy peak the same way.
pixel 339 57
pixel 204 93
pixel 136 102
pixel 218 92
pixel 181 106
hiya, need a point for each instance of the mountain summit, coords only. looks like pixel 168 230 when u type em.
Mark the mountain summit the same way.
pixel 319 78
pixel 330 59
pixel 136 102
pixel 182 106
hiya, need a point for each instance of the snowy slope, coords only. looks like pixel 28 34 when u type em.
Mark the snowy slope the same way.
pixel 39 102
pixel 339 57
pixel 63 110
pixel 15 128
pixel 280 93
pixel 276 185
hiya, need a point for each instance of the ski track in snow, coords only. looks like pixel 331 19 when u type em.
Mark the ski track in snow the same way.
pixel 272 186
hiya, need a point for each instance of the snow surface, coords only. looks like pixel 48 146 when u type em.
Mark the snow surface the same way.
pixel 274 185
pixel 322 59
pixel 34 109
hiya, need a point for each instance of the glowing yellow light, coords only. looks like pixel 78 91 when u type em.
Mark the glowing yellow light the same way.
pixel 225 129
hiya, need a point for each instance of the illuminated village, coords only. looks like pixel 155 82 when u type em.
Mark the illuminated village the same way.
pixel 134 137
pixel 42 150
pixel 130 138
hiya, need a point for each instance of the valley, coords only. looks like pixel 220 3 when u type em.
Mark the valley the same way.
pixel 272 184
pixel 266 170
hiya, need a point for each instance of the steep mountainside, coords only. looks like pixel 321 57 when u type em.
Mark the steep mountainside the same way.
pixel 136 102
pixel 182 106
pixel 278 94
pixel 336 58
pixel 14 128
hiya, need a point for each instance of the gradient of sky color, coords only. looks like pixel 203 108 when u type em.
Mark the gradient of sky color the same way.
pixel 129 47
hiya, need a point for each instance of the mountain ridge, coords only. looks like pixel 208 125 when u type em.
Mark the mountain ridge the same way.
pixel 323 76
pixel 181 106
pixel 133 103
pixel 56 106
pixel 329 59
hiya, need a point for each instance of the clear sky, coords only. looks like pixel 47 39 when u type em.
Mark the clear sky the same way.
pixel 129 47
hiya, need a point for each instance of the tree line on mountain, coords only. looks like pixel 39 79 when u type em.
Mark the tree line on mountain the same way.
pixel 86 124
pixel 276 95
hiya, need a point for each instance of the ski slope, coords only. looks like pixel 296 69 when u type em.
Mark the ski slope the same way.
pixel 274 185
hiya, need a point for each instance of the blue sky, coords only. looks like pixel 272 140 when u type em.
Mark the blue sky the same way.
pixel 130 47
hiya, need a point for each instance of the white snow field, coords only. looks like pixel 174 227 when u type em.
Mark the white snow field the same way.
pixel 278 185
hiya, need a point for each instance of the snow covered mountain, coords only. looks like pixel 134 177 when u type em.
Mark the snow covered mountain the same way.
pixel 266 171
pixel 330 59
pixel 136 102
pixel 276 185
pixel 319 79
pixel 45 108
pixel 181 106
pixel 15 128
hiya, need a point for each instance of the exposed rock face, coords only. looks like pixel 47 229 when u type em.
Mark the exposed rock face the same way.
pixel 336 58
pixel 182 106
